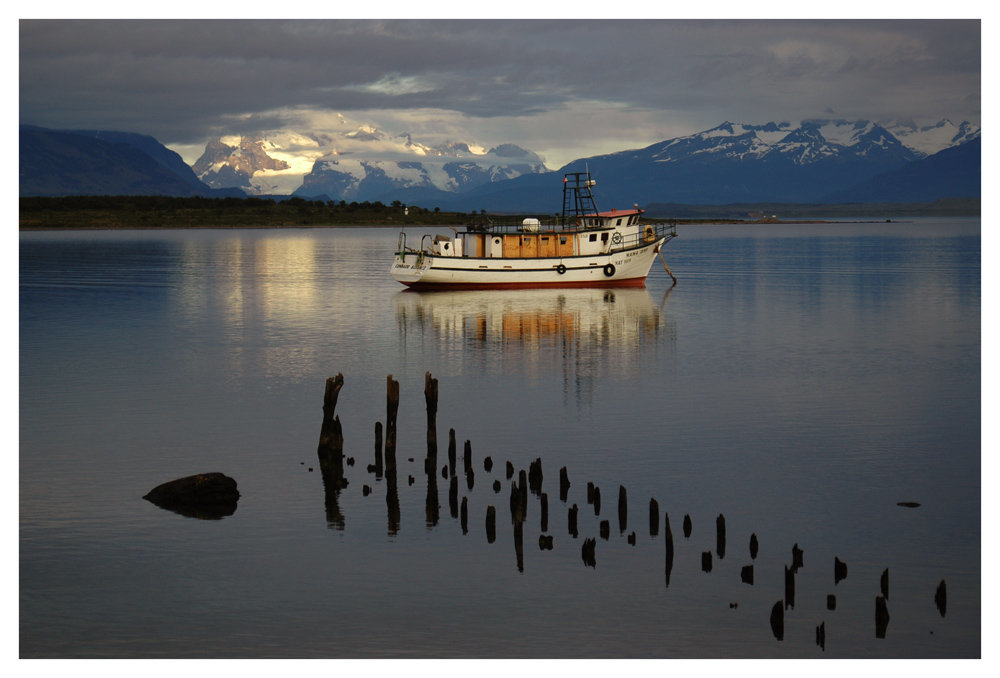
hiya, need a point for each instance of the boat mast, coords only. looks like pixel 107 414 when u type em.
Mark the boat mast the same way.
pixel 578 201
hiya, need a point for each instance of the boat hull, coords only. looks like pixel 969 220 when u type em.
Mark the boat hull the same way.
pixel 622 268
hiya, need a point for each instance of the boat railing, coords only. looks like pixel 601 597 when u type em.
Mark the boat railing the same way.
pixel 648 232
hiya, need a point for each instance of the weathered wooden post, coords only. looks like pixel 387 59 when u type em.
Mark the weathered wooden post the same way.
pixel 720 536
pixel 535 476
pixel 941 598
pixel 330 451
pixel 796 557
pixel 519 544
pixel 470 474
pixel 391 410
pixel 453 496
pixel 778 621
pixel 706 561
pixel 881 616
pixel 491 524
pixel 668 536
pixel 431 398
pixel 563 484
pixel 452 459
pixel 789 587
pixel 589 552
pixel 839 570
pixel 379 465
pixel 654 518
pixel 622 509
pixel 572 521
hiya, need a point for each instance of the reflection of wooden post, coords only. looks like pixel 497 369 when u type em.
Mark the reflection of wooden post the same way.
pixel 687 526
pixel 391 409
pixel 622 509
pixel 563 484
pixel 720 536
pixel 465 515
pixel 839 570
pixel 941 598
pixel 778 621
pixel 884 583
pixel 431 398
pixel 379 467
pixel 654 518
pixel 669 538
pixel 789 587
pixel 331 452
pixel 881 616
pixel 796 557
pixel 753 546
pixel 535 476
pixel 543 499
pixel 491 524
pixel 451 451
pixel 572 521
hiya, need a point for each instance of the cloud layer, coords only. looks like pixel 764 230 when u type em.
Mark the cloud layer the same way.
pixel 561 88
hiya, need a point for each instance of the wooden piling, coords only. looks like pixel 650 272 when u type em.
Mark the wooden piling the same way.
pixel 654 518
pixel 535 476
pixel 379 464
pixel 706 561
pixel 796 557
pixel 543 500
pixel 884 583
pixel 831 602
pixel 687 526
pixel 746 574
pixel 821 636
pixel 452 458
pixel 789 587
pixel 488 464
pixel 331 437
pixel 605 529
pixel 519 544
pixel 563 484
pixel 465 515
pixel 491 524
pixel 753 546
pixel 668 537
pixel 778 621
pixel 941 598
pixel 589 552
pixel 622 509
pixel 453 496
pixel 881 616
pixel 431 399
pixel 391 410
pixel 720 536
pixel 839 570
pixel 597 500
pixel 572 521
pixel 510 470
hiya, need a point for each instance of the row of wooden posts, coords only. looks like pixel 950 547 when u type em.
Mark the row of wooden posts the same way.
pixel 331 461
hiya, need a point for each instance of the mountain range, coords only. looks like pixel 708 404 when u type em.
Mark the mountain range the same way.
pixel 817 161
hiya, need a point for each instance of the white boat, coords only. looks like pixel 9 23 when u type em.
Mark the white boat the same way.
pixel 582 247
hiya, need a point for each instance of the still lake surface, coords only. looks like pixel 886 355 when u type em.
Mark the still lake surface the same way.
pixel 800 381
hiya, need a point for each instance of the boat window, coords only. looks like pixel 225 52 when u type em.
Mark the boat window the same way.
pixel 562 240
pixel 604 237
pixel 593 237
pixel 618 223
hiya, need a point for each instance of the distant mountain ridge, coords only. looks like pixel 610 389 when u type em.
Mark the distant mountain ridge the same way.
pixel 822 160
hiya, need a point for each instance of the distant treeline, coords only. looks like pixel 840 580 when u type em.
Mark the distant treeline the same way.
pixel 109 212
pixel 198 212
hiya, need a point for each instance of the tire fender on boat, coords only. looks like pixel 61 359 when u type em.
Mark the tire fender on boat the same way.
pixel 609 270
pixel 560 269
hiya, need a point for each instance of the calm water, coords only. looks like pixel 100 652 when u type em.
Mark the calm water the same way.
pixel 799 381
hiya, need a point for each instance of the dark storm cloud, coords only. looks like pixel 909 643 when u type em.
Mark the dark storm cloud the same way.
pixel 184 80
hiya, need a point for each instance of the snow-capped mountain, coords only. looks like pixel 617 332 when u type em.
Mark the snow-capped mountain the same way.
pixel 363 163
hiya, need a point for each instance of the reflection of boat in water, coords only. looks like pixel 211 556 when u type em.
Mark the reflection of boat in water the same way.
pixel 580 248
pixel 587 332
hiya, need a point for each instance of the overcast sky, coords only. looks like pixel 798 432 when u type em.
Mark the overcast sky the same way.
pixel 565 89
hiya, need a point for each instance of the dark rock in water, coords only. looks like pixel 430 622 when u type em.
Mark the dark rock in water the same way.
pixel 209 496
